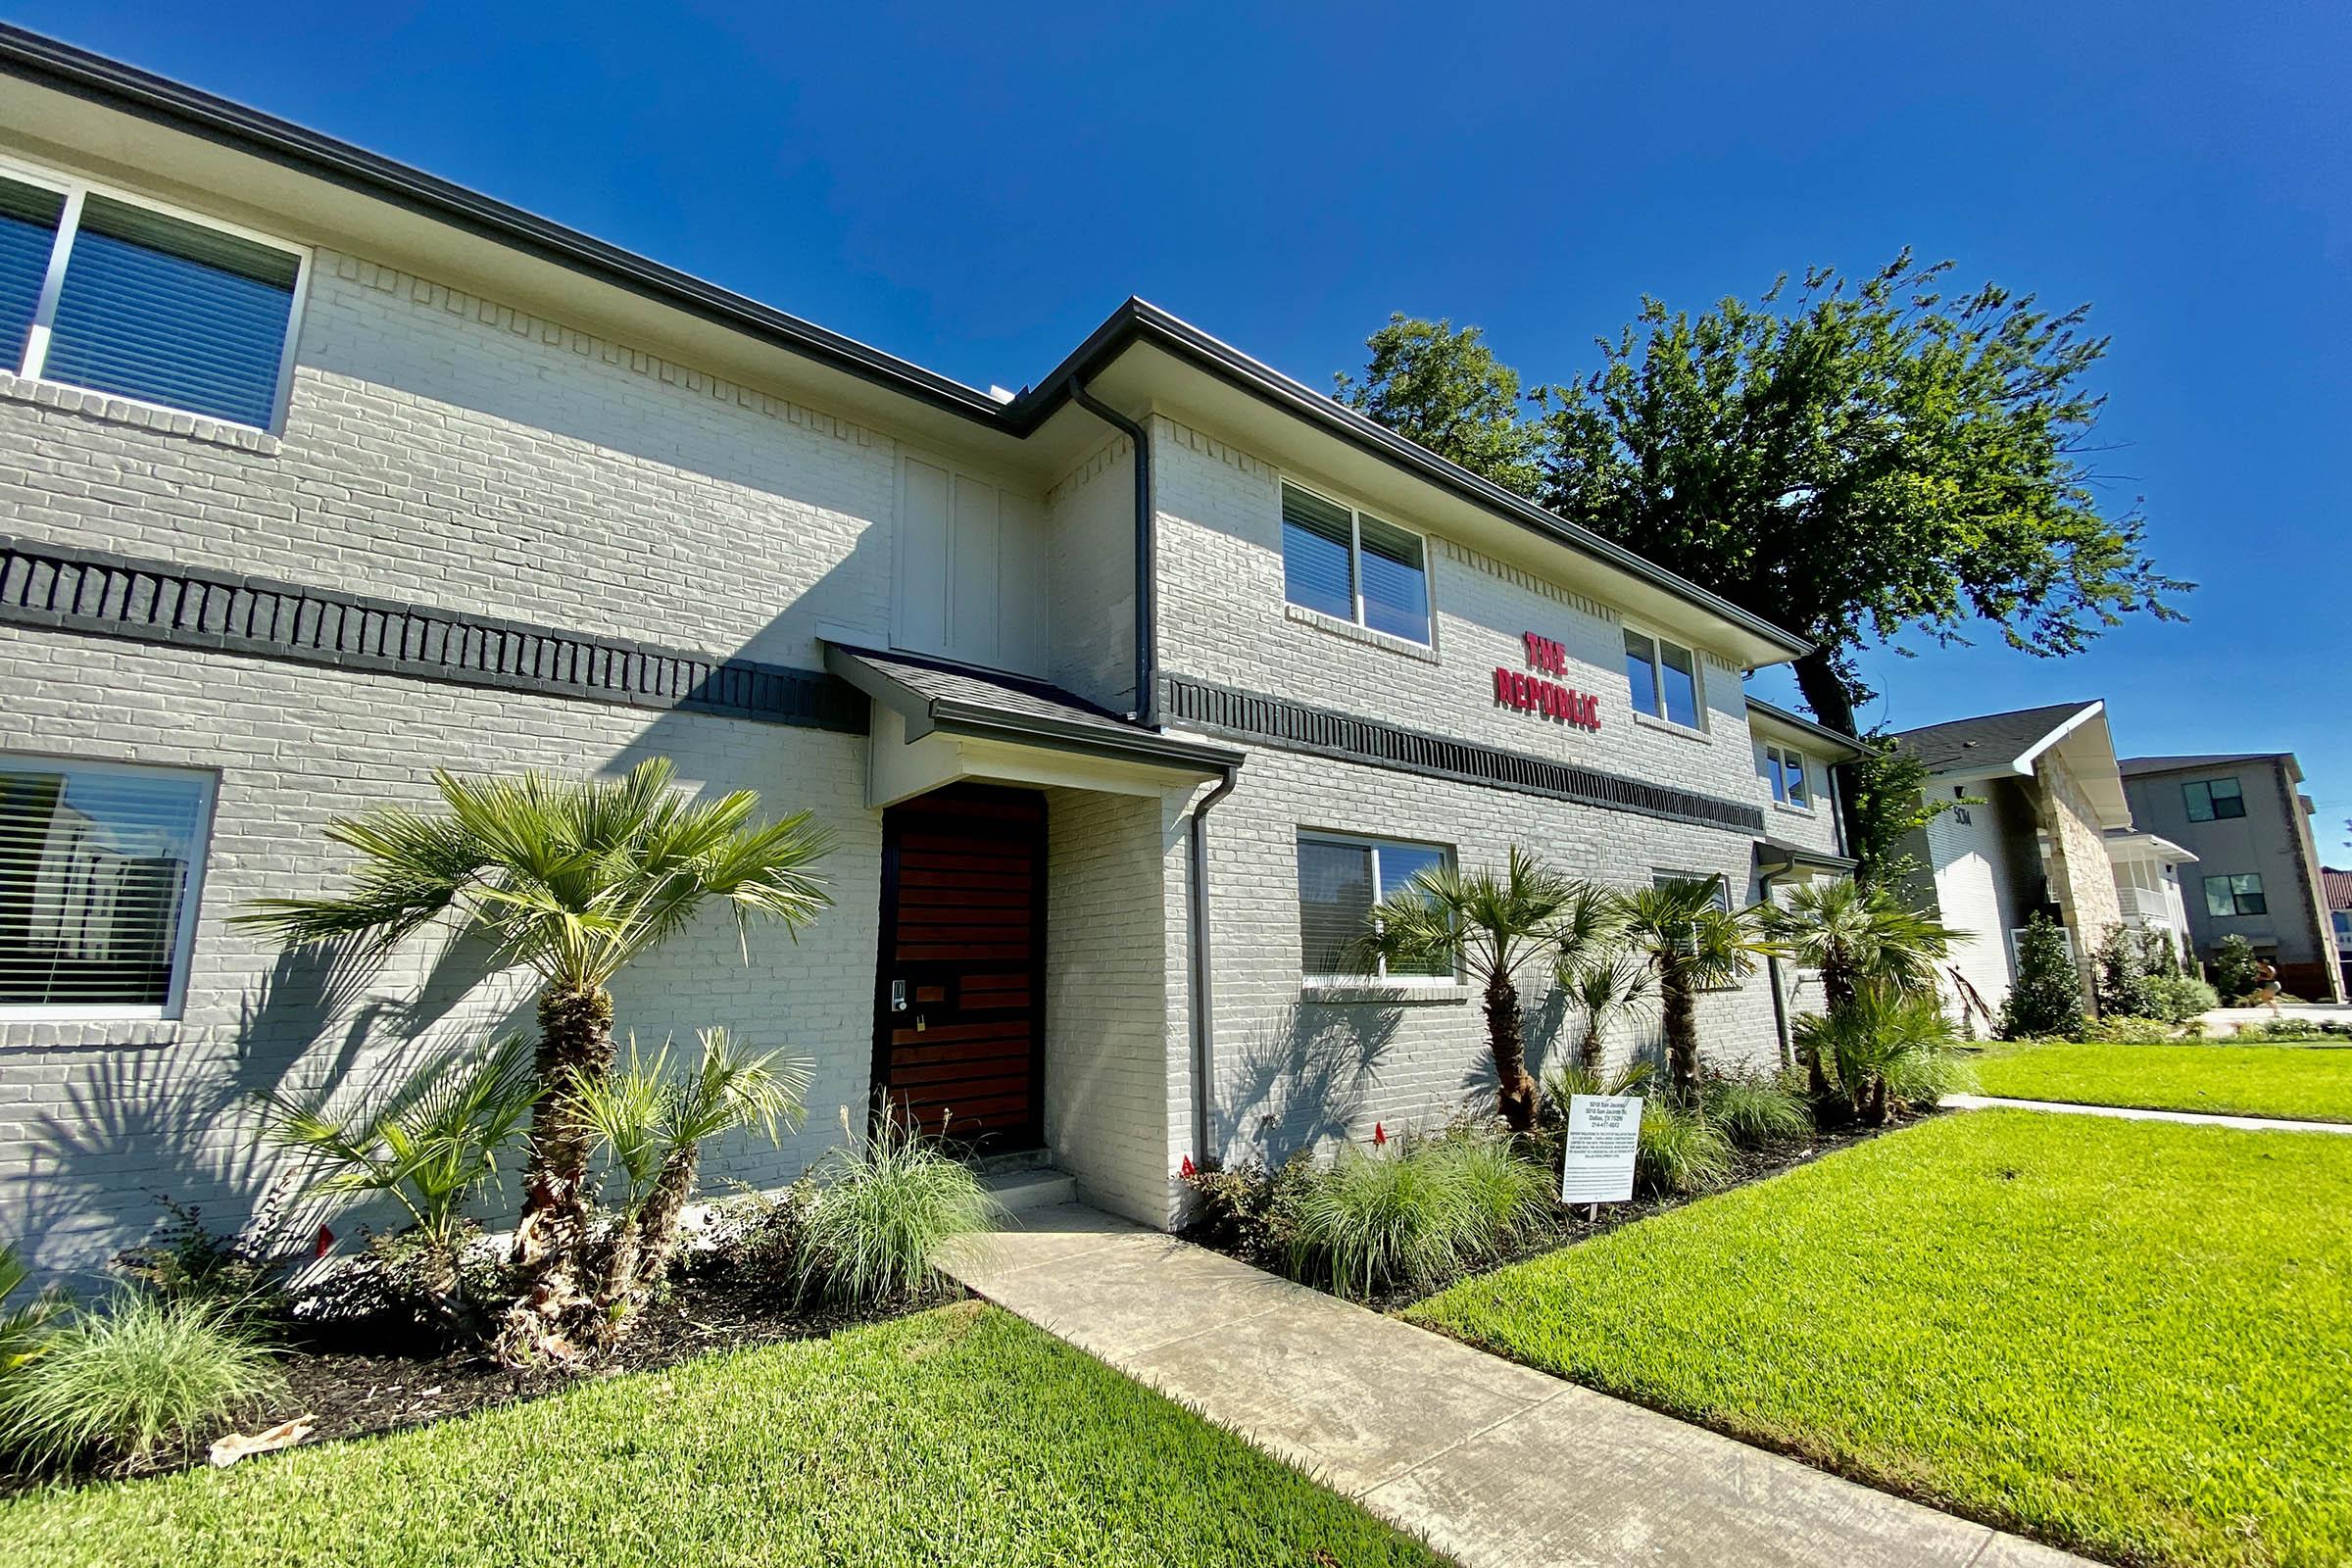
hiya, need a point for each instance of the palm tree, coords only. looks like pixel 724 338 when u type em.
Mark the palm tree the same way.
pixel 1604 989
pixel 1883 1046
pixel 1857 936
pixel 572 880
pixel 1691 945
pixel 1493 926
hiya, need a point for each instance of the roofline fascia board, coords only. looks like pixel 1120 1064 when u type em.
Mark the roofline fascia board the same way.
pixel 1138 320
pixel 55 64
pixel 1773 712
pixel 1774 857
pixel 2081 716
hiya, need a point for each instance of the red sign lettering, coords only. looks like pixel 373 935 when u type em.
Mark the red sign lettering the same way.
pixel 1563 704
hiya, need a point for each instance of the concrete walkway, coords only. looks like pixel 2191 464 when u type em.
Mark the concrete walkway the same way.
pixel 2193 1118
pixel 1495 1465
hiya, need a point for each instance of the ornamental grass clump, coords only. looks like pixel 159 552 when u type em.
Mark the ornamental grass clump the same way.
pixel 1679 1150
pixel 883 1205
pixel 1412 1213
pixel 131 1383
pixel 1756 1113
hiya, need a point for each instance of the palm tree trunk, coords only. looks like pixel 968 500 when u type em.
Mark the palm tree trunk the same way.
pixel 575 1045
pixel 617 1294
pixel 658 1223
pixel 1678 1008
pixel 1507 1037
pixel 1587 1052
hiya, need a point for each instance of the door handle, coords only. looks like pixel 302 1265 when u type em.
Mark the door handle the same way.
pixel 898 996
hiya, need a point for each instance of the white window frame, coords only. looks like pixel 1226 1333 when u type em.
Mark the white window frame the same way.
pixel 1699 683
pixel 1365 841
pixel 1780 757
pixel 183 951
pixel 1356 565
pixel 75 191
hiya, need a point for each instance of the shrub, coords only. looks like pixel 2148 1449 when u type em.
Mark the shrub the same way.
pixel 2047 1000
pixel 2179 997
pixel 2234 971
pixel 2122 979
pixel 1884 1050
pixel 1753 1113
pixel 873 1227
pixel 2129 1031
pixel 247 1271
pixel 1251 1211
pixel 128 1385
pixel 1679 1150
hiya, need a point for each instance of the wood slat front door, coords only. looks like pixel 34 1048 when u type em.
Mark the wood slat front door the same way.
pixel 959 1023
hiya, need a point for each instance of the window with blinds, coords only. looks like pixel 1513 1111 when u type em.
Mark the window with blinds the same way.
pixel 104 293
pixel 99 871
pixel 1351 566
pixel 1339 880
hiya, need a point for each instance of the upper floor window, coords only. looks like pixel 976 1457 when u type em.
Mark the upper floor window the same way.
pixel 1340 879
pixel 1664 678
pixel 2235 895
pixel 2212 799
pixel 1783 768
pixel 99 868
pixel 118 296
pixel 1347 564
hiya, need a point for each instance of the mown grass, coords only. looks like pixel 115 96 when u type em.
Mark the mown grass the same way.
pixel 2313 1083
pixel 957 1435
pixel 2131 1339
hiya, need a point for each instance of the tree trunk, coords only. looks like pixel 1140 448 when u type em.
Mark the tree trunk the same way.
pixel 617 1294
pixel 1878 1101
pixel 658 1223
pixel 1678 1008
pixel 1587 1052
pixel 1507 1037
pixel 575 1045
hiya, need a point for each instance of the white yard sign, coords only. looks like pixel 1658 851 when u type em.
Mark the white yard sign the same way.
pixel 1603 1132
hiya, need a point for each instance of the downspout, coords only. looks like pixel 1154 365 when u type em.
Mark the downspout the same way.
pixel 1203 1022
pixel 1772 971
pixel 1146 503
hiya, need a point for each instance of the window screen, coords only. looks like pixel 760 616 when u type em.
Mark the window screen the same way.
pixel 98 875
pixel 1318 554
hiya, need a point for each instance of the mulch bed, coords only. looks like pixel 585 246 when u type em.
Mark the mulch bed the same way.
pixel 1571 1226
pixel 347 1392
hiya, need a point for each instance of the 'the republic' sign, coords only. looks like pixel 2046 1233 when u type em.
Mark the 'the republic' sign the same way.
pixel 1563 704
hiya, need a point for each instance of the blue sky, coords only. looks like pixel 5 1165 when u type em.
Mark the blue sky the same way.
pixel 974 188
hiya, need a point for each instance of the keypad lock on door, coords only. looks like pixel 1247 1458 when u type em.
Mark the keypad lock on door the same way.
pixel 897 1003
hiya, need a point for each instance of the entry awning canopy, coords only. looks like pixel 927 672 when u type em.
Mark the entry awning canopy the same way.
pixel 937 721
pixel 1779 856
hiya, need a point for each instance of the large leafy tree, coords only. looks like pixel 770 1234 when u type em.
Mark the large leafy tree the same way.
pixel 572 880
pixel 1443 387
pixel 1850 459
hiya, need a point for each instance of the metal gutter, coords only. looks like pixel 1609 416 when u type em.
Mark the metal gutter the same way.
pixel 1203 996
pixel 1803 725
pixel 1147 554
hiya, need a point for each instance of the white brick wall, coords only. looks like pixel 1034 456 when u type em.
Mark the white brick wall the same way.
pixel 1090 567
pixel 94 1118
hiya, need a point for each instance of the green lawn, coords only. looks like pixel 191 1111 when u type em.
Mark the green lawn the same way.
pixel 958 1436
pixel 2310 1082
pixel 2129 1338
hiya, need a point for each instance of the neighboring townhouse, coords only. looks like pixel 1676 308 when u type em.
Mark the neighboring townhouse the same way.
pixel 2338 885
pixel 2036 797
pixel 1122 698
pixel 2258 873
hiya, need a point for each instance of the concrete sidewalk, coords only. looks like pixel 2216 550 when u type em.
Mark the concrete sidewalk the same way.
pixel 1493 1464
pixel 2193 1118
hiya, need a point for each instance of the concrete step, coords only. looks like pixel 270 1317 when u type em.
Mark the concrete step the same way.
pixel 1019 1192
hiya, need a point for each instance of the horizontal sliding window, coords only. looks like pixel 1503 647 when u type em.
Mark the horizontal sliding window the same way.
pixel 99 868
pixel 1339 880
pixel 1349 564
pixel 114 295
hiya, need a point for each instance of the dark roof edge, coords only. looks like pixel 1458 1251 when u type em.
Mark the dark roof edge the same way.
pixel 1139 320
pixel 925 713
pixel 1780 854
pixel 1782 716
pixel 94 76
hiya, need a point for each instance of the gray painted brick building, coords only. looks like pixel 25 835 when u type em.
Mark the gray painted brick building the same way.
pixel 317 474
